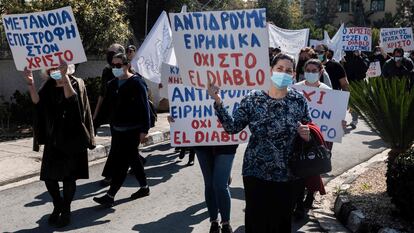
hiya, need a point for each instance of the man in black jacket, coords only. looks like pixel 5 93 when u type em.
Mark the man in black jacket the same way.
pixel 398 65
pixel 130 122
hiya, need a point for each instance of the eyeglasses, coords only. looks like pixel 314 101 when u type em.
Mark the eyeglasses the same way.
pixel 118 65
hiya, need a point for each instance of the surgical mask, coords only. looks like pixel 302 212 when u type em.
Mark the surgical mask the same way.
pixel 118 72
pixel 56 75
pixel 312 77
pixel 281 80
pixel 321 57
pixel 397 59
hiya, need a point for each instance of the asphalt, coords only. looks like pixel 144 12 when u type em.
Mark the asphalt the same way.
pixel 19 162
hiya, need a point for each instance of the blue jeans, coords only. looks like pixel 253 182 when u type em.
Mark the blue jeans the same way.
pixel 216 171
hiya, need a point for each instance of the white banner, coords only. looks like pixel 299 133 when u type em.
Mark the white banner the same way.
pixel 289 41
pixel 44 39
pixel 335 44
pixel 327 109
pixel 229 48
pixel 374 69
pixel 156 49
pixel 195 121
pixel 356 38
pixel 391 38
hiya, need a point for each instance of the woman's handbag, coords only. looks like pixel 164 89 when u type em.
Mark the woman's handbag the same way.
pixel 310 158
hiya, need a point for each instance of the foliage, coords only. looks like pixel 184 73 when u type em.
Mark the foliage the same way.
pixel 4 114
pixel 405 13
pixel 387 106
pixel 100 23
pixel 21 108
pixel 277 12
pixel 389 21
pixel 375 37
pixel 400 184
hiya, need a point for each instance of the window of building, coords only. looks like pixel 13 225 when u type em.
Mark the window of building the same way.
pixel 378 5
pixel 343 6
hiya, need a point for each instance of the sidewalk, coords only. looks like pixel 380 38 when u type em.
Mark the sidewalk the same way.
pixel 19 162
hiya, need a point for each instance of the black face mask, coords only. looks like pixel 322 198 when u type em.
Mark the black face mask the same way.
pixel 109 56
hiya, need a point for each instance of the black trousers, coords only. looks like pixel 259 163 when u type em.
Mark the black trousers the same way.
pixel 269 205
pixel 124 151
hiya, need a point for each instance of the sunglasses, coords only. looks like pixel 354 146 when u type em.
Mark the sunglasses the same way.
pixel 118 65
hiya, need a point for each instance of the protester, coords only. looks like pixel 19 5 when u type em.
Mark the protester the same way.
pixel 216 163
pixel 275 118
pixel 63 124
pixel 304 55
pixel 130 51
pixel 398 65
pixel 191 154
pixel 379 55
pixel 356 66
pixel 313 69
pixel 330 54
pixel 334 69
pixel 130 122
pixel 101 115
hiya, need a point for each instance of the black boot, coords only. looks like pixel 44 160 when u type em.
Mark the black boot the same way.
pixel 54 216
pixel 65 216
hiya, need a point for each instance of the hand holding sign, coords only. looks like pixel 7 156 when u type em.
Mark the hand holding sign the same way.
pixel 28 75
pixel 213 92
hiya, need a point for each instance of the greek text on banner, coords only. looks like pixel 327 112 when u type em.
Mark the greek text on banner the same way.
pixel 195 122
pixel 327 109
pixel 44 39
pixel 229 48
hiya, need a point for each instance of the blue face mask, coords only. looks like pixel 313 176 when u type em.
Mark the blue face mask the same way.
pixel 118 72
pixel 56 75
pixel 321 57
pixel 312 77
pixel 281 80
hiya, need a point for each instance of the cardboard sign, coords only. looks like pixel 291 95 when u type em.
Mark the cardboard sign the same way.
pixel 195 121
pixel 169 75
pixel 44 39
pixel 391 38
pixel 327 109
pixel 289 41
pixel 229 48
pixel 356 38
pixel 374 69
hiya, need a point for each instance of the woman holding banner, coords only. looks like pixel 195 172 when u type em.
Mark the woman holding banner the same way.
pixel 216 163
pixel 63 123
pixel 275 118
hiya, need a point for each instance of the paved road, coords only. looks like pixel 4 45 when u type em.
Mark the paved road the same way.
pixel 176 202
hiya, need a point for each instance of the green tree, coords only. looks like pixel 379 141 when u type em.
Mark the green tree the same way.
pixel 100 23
pixel 405 13
pixel 277 12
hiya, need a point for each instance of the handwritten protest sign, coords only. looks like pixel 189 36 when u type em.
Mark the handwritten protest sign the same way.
pixel 195 121
pixel 289 41
pixel 356 38
pixel 229 48
pixel 374 69
pixel 327 109
pixel 44 39
pixel 391 38
pixel 169 75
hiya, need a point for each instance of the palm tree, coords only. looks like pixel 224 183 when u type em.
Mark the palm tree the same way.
pixel 387 106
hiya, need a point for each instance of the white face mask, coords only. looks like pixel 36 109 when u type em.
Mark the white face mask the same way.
pixel 397 59
pixel 312 77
